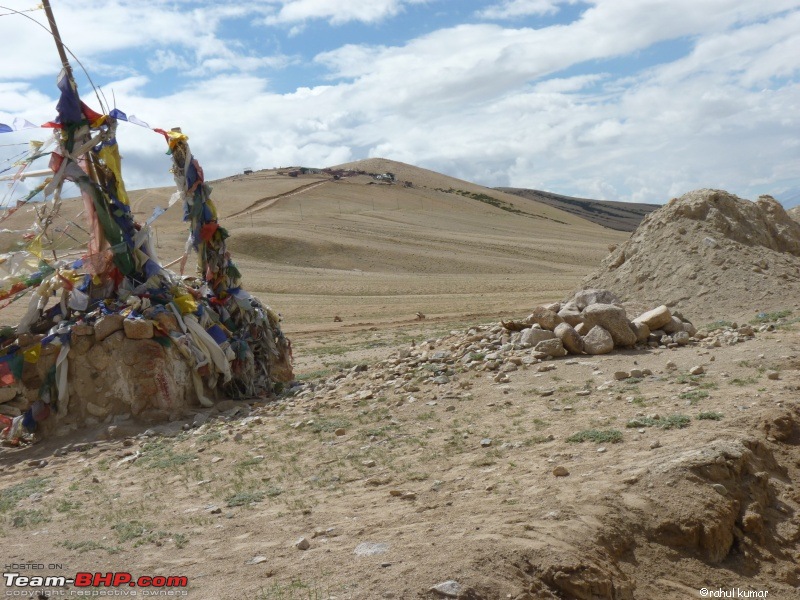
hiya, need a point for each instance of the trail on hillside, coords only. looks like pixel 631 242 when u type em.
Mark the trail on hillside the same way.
pixel 264 203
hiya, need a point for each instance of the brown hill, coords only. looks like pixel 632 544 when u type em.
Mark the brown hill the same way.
pixel 456 465
pixel 711 254
pixel 372 251
pixel 621 216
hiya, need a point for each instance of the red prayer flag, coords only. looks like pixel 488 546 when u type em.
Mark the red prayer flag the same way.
pixel 6 376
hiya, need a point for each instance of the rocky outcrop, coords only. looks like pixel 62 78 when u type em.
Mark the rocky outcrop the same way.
pixel 732 506
pixel 584 298
pixel 545 318
pixel 656 318
pixel 552 348
pixel 533 335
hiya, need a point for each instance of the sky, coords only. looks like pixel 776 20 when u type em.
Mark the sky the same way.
pixel 632 100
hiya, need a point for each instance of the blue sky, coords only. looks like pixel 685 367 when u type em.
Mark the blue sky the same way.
pixel 635 100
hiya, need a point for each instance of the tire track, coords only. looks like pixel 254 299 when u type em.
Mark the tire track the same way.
pixel 264 203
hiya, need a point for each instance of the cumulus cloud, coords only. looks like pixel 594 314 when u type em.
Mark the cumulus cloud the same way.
pixel 509 9
pixel 491 111
pixel 178 34
pixel 18 97
pixel 486 101
pixel 164 60
pixel 336 12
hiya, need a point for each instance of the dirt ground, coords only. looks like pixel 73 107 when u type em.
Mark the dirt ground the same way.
pixel 393 467
pixel 398 491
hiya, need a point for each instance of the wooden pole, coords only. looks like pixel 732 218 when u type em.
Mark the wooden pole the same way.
pixel 89 165
pixel 62 53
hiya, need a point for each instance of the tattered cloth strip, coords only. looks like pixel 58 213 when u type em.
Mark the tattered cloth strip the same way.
pixel 17 125
pixel 256 338
pixel 229 339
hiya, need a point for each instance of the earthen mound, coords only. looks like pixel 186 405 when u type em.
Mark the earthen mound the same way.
pixel 710 253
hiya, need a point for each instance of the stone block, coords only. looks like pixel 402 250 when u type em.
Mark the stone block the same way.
pixel 138 329
pixel 106 325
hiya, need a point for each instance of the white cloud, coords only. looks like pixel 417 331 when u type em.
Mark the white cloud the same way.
pixel 336 12
pixel 164 60
pixel 569 84
pixel 463 97
pixel 509 9
pixel 19 98
pixel 179 35
pixel 499 105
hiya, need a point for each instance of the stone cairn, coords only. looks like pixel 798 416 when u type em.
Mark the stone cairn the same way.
pixel 125 336
pixel 501 348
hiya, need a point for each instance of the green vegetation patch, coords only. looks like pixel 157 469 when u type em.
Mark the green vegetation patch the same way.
pixel 10 496
pixel 670 422
pixel 600 436
pixel 329 425
pixel 536 439
pixel 710 416
pixel 65 505
pixel 497 203
pixel 244 498
pixel 318 374
pixel 211 436
pixel 144 533
pixel 129 530
pixel 28 518
pixel 770 317
pixel 87 546
pixel 684 378
pixel 161 455
pixel 694 395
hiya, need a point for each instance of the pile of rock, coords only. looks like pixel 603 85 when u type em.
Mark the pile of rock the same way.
pixel 595 322
pixel 728 334
pixel 600 325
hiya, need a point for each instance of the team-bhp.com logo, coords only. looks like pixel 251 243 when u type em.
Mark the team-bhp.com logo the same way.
pixel 95 580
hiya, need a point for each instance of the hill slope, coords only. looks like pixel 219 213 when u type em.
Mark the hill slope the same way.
pixel 459 462
pixel 621 216
pixel 315 247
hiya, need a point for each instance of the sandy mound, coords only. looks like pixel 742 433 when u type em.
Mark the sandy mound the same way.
pixel 705 253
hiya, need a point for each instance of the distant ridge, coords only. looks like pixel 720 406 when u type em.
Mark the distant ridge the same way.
pixel 620 216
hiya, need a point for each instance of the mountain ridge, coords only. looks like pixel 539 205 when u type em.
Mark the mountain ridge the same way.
pixel 620 216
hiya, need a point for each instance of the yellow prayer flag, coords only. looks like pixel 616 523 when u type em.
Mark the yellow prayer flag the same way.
pixel 35 247
pixel 31 355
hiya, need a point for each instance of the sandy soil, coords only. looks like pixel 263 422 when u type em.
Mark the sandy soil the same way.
pixel 398 491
